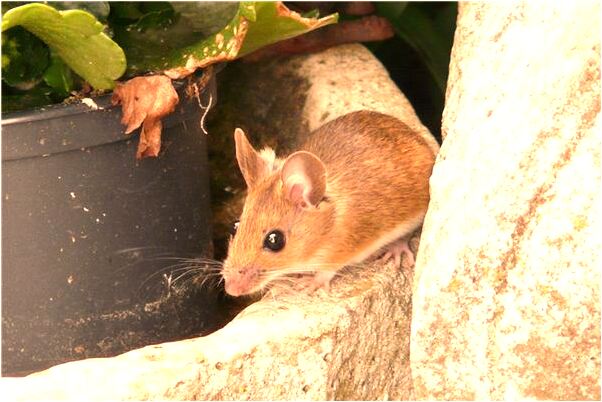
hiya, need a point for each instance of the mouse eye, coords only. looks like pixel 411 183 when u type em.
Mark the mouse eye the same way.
pixel 234 227
pixel 274 240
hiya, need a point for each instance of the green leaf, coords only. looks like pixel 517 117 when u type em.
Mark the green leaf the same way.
pixel 160 16
pixel 391 10
pixel 77 37
pixel 418 29
pixel 315 13
pixel 126 10
pixel 205 17
pixel 275 22
pixel 255 25
pixel 150 48
pixel 99 9
pixel 7 5
pixel 24 58
pixel 248 10
pixel 58 76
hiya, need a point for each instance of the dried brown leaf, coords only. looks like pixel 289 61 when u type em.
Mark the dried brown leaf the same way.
pixel 145 101
pixel 150 139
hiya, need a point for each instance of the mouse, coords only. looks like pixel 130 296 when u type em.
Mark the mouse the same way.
pixel 357 186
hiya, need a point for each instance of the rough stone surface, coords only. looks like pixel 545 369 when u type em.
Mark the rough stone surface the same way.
pixel 352 343
pixel 507 283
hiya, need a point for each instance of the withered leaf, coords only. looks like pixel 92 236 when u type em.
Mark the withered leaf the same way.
pixel 145 100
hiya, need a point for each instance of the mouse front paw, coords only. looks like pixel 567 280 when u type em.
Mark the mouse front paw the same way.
pixel 321 280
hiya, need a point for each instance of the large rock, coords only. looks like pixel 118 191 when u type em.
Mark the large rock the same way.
pixel 352 343
pixel 507 283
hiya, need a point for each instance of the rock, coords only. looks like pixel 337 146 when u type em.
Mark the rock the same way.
pixel 352 343
pixel 507 283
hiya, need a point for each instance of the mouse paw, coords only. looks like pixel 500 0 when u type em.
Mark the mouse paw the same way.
pixel 321 280
pixel 395 250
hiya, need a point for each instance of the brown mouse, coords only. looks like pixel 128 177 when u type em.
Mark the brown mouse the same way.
pixel 358 184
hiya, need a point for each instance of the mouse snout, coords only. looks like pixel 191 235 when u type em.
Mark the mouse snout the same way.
pixel 239 281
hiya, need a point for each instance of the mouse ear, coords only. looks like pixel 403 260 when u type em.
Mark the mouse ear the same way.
pixel 251 164
pixel 304 179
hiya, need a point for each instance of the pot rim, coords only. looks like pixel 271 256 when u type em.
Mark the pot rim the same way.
pixel 58 128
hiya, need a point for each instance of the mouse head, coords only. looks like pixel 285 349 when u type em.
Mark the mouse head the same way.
pixel 284 221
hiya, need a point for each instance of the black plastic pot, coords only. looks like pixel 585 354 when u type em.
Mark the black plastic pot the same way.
pixel 87 233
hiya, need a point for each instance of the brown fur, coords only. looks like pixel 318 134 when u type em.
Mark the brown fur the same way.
pixel 377 173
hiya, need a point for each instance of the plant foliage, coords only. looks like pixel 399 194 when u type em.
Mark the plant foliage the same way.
pixel 50 50
pixel 76 37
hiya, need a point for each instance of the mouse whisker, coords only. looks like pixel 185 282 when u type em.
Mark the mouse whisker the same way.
pixel 184 267
pixel 136 249
pixel 194 275
pixel 209 279
pixel 182 275
pixel 176 268
pixel 195 260
pixel 138 256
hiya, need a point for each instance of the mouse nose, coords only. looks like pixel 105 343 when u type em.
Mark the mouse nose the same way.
pixel 240 280
pixel 232 289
